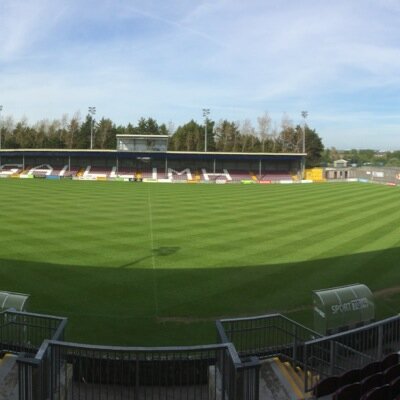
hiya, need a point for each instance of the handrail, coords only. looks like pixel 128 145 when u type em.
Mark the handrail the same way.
pixel 361 345
pixel 356 330
pixel 264 334
pixel 221 332
pixel 30 314
pixel 269 316
pixel 167 349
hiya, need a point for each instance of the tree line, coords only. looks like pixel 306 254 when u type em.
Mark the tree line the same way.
pixel 222 136
pixel 360 157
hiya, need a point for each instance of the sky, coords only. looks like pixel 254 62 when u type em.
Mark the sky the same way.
pixel 168 59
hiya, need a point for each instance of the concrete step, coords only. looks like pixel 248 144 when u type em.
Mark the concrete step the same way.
pixel 271 387
pixel 292 379
pixel 8 377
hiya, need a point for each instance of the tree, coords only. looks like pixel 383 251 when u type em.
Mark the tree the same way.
pixel 314 148
pixel 104 134
pixel 227 136
pixel 72 131
pixel 264 129
pixel 24 135
pixel 393 162
pixel 188 137
pixel 247 136
pixel 288 137
pixel 210 135
pixel 148 126
pixel 82 137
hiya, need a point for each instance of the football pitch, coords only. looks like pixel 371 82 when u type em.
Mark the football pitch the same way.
pixel 156 264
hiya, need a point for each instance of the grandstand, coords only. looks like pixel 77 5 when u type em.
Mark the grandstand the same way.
pixel 152 165
pixel 178 167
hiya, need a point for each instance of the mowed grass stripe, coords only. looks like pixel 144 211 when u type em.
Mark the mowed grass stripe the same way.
pixel 298 227
pixel 83 249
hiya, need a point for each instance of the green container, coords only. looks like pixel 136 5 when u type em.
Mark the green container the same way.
pixel 341 308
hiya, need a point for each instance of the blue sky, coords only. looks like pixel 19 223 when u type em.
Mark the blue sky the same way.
pixel 339 60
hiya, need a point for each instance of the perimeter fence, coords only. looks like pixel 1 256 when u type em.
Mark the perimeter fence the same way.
pixel 50 369
pixel 339 353
pixel 22 331
pixel 319 357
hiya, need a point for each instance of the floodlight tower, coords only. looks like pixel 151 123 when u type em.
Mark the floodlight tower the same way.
pixel 206 113
pixel 1 109
pixel 92 112
pixel 304 114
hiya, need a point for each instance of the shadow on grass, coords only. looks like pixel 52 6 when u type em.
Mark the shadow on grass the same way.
pixel 158 252
pixel 123 305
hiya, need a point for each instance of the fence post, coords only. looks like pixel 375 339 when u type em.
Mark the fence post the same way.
pixel 332 344
pixel 380 342
pixel 27 380
pixel 294 354
pixel 247 382
pixel 305 366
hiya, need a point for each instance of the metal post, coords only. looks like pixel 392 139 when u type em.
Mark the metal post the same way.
pixel 206 113
pixel 380 342
pixel 294 353
pixel 305 367
pixel 1 109
pixel 92 112
pixel 304 114
pixel 332 352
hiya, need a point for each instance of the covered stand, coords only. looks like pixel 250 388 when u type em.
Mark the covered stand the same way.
pixel 341 308
pixel 11 300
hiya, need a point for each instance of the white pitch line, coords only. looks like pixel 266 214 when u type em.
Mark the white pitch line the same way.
pixel 153 259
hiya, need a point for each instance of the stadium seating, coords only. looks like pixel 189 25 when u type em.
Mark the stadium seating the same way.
pixel 9 169
pixel 275 176
pixel 390 360
pixel 378 393
pixel 238 176
pixel 348 392
pixel 178 175
pixel 147 173
pixel 375 380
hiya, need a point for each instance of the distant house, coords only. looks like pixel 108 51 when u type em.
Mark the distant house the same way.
pixel 341 170
pixel 340 163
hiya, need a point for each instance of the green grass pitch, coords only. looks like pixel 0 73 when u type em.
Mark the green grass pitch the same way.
pixel 156 264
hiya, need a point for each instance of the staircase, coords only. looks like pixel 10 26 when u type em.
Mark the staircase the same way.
pixel 253 177
pixel 80 172
pixel 291 378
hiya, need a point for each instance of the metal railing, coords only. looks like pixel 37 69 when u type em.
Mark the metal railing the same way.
pixel 265 336
pixel 228 370
pixel 25 332
pixel 336 354
pixel 63 370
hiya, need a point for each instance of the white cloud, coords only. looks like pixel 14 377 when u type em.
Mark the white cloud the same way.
pixel 134 58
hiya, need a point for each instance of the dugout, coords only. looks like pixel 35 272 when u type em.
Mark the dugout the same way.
pixel 11 300
pixel 341 308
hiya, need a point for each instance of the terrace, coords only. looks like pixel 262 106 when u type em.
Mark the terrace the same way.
pixel 265 357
